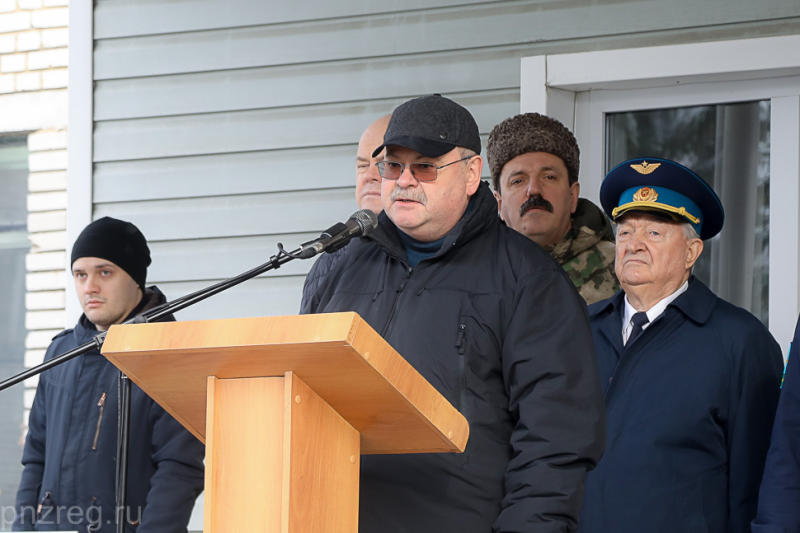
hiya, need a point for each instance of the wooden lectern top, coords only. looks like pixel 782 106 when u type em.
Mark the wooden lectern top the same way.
pixel 338 355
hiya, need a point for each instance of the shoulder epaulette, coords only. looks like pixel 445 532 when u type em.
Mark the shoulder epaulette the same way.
pixel 61 334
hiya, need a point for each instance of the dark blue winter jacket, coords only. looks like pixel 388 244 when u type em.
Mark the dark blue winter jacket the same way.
pixel 315 276
pixel 497 327
pixel 68 482
pixel 690 405
pixel 779 500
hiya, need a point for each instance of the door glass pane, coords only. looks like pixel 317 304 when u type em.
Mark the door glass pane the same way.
pixel 728 146
pixel 13 247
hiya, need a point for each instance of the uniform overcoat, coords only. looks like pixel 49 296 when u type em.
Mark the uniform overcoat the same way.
pixel 690 405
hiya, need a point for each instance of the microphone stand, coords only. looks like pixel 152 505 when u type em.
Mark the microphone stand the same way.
pixel 124 389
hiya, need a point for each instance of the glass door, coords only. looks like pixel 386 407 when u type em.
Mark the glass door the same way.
pixel 730 110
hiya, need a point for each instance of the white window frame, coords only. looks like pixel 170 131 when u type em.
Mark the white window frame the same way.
pixel 580 89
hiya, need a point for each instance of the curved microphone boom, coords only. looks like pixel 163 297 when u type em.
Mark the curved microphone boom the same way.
pixel 360 224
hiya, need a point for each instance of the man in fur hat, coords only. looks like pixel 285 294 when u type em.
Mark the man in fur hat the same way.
pixel 534 162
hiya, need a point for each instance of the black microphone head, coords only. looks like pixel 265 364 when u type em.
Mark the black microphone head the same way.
pixel 366 220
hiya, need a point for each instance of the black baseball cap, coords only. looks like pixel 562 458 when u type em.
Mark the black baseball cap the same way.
pixel 431 125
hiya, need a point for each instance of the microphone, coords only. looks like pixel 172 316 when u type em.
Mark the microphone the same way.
pixel 360 224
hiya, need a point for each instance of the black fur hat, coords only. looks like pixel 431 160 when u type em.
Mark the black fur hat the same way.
pixel 531 132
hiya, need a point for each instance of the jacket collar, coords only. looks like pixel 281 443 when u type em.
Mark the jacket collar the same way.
pixel 607 314
pixel 697 304
pixel 152 297
pixel 478 218
pixel 589 226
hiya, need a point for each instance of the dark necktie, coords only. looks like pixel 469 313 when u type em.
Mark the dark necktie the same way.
pixel 639 320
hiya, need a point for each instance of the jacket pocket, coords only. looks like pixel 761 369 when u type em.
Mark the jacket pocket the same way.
pixel 44 512
pixel 463 406
pixel 461 344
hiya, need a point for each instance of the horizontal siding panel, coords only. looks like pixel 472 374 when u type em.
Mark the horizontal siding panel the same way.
pixel 214 259
pixel 257 297
pixel 229 174
pixel 268 129
pixel 234 216
pixel 115 18
pixel 225 174
pixel 462 28
pixel 232 90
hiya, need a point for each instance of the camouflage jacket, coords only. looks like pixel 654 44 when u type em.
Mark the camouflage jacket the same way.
pixel 587 253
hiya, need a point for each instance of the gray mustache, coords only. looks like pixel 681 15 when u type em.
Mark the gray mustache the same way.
pixel 412 193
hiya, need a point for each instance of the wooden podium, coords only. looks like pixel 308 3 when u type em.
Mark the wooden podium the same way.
pixel 286 406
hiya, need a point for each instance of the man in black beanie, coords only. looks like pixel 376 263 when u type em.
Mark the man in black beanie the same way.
pixel 68 481
pixel 110 248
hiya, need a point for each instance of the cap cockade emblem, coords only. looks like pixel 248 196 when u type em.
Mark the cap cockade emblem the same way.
pixel 645 194
pixel 645 167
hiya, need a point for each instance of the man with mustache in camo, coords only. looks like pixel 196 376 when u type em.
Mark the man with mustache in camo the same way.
pixel 534 162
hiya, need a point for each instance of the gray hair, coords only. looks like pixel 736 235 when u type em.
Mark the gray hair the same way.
pixel 466 152
pixel 689 231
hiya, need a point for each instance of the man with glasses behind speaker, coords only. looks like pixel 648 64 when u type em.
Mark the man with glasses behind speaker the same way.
pixel 491 321
pixel 368 196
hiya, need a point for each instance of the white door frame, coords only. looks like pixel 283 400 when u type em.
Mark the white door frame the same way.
pixel 580 89
pixel 79 148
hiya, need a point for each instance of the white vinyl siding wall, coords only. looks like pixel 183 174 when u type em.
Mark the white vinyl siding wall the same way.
pixel 222 128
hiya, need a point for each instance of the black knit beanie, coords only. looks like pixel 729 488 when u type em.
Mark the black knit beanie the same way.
pixel 117 241
pixel 531 132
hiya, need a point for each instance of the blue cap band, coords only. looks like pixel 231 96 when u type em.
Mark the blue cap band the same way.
pixel 659 199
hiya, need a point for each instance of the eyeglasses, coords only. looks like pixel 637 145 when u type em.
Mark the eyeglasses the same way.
pixel 392 170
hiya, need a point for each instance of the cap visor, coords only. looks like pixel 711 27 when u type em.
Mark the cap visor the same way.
pixel 654 211
pixel 426 147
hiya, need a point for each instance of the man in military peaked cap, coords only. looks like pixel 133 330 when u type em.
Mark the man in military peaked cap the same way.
pixel 691 382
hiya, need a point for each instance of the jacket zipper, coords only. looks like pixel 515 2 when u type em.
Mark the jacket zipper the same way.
pixel 102 405
pixel 92 527
pixel 400 289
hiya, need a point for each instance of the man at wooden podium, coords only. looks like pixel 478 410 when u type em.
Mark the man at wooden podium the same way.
pixel 68 482
pixel 491 321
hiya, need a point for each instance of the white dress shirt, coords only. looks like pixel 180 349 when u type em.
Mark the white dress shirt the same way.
pixel 652 313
